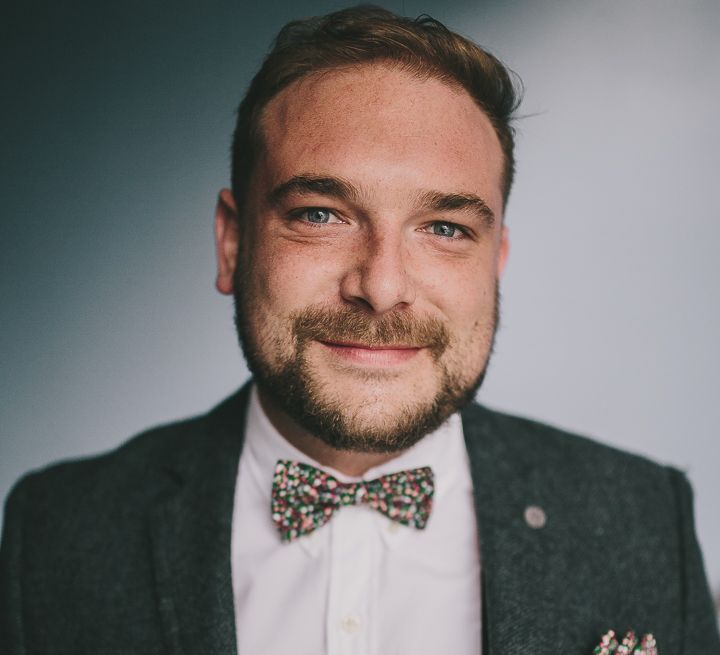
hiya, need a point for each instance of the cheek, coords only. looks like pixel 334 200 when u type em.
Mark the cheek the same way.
pixel 473 326
pixel 468 303
pixel 478 320
pixel 465 293
pixel 285 278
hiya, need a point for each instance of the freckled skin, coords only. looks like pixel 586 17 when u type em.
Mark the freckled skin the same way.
pixel 391 136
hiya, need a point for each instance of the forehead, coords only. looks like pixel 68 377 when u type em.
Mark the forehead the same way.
pixel 382 126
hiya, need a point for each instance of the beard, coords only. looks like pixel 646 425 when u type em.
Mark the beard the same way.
pixel 290 382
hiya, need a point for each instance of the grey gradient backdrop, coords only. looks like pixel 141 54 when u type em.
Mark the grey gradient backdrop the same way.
pixel 116 121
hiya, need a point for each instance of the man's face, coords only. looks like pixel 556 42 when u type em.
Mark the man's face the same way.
pixel 366 260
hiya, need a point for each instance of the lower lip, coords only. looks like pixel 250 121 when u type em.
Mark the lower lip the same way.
pixel 373 356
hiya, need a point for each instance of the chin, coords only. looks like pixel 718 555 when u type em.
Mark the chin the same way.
pixel 364 416
pixel 378 393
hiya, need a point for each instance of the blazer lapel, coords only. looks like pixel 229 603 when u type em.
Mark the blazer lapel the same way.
pixel 548 509
pixel 191 531
pixel 513 563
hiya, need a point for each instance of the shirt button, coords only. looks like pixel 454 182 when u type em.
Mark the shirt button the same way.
pixel 535 517
pixel 350 624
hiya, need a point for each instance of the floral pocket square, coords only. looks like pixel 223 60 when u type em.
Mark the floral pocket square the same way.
pixel 630 644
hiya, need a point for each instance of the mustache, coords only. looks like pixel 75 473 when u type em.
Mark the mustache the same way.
pixel 399 328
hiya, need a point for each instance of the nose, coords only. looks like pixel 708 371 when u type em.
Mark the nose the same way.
pixel 378 278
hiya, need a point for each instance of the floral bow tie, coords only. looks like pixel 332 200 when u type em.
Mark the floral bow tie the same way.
pixel 304 498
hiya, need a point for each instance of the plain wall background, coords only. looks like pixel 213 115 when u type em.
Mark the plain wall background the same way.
pixel 116 124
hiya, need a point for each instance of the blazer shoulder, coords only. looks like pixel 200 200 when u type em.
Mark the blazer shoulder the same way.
pixel 132 468
pixel 613 516
pixel 533 441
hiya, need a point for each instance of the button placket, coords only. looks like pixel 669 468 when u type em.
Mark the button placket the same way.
pixel 350 623
pixel 351 572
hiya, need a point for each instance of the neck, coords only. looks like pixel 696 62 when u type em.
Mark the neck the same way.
pixel 351 463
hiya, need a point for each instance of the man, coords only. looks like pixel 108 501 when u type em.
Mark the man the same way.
pixel 352 498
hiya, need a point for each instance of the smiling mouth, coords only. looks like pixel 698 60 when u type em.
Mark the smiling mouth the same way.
pixel 365 346
pixel 380 355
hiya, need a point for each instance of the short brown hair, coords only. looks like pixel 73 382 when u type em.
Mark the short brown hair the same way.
pixel 364 34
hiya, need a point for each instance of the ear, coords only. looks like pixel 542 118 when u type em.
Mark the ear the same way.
pixel 503 251
pixel 227 241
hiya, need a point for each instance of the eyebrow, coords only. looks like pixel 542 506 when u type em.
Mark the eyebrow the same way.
pixel 438 201
pixel 335 187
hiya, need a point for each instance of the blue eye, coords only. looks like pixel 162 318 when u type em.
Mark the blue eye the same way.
pixel 446 230
pixel 317 215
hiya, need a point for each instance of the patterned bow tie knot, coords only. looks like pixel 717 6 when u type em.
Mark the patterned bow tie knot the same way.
pixel 304 498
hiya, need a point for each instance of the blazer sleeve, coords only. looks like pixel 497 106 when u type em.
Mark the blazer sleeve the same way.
pixel 11 628
pixel 700 622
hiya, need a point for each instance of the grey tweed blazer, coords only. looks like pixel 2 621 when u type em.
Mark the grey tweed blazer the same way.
pixel 130 552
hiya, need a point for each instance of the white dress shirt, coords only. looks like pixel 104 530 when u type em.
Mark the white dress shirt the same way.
pixel 361 584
